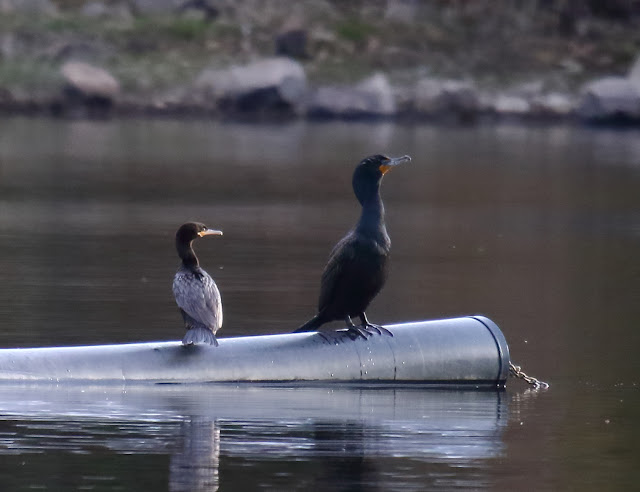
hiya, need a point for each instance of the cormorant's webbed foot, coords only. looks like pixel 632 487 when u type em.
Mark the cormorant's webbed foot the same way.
pixel 372 328
pixel 354 331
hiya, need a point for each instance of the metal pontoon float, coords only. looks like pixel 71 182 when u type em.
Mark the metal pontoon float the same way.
pixel 460 351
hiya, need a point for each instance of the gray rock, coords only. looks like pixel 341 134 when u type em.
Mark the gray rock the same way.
pixel 39 7
pixel 99 10
pixel 572 66
pixel 381 93
pixel 89 81
pixel 154 7
pixel 438 98
pixel 610 99
pixel 404 11
pixel 89 91
pixel 634 73
pixel 292 43
pixel 511 105
pixel 528 90
pixel 553 104
pixel 198 9
pixel 372 97
pixel 8 46
pixel 337 102
pixel 94 10
pixel 272 84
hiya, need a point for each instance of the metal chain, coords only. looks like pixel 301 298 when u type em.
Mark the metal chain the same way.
pixel 516 372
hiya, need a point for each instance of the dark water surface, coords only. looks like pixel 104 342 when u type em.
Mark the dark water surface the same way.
pixel 537 228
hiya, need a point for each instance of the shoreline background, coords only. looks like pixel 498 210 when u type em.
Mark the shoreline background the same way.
pixel 452 61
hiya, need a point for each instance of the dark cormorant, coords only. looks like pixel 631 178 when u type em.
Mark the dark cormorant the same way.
pixel 357 266
pixel 195 291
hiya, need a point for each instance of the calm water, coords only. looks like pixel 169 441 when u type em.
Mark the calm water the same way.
pixel 537 228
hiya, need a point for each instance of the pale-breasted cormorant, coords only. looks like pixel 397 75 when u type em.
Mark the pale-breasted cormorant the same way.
pixel 195 291
pixel 357 266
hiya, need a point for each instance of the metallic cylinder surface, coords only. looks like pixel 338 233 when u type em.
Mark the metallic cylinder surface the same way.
pixel 469 350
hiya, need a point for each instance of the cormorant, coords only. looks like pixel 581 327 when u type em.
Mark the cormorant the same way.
pixel 195 291
pixel 357 266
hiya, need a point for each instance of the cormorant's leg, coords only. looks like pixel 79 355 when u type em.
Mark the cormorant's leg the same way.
pixel 355 330
pixel 372 328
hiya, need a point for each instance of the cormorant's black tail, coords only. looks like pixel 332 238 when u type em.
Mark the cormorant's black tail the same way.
pixel 312 325
pixel 199 335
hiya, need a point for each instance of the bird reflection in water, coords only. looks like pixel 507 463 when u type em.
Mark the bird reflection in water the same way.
pixel 195 466
pixel 341 448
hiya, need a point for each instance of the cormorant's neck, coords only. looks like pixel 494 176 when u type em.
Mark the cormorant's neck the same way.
pixel 187 255
pixel 372 218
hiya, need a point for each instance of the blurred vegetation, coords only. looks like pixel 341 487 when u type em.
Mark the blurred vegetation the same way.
pixel 354 30
pixel 495 42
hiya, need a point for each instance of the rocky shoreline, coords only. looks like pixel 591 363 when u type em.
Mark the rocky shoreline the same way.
pixel 279 87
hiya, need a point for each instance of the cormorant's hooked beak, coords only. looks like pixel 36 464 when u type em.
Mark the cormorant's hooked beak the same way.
pixel 394 161
pixel 210 232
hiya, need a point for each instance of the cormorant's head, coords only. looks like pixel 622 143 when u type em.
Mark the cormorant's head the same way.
pixel 368 174
pixel 192 230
